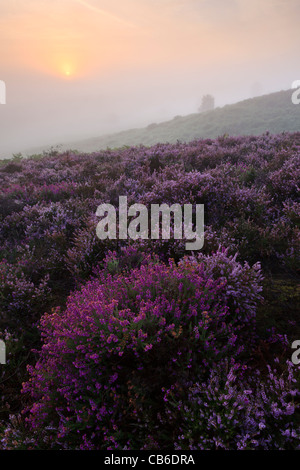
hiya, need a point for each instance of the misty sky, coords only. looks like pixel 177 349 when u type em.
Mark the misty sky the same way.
pixel 75 69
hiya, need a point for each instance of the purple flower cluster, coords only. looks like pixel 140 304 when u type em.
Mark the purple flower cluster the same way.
pixel 231 410
pixel 125 338
pixel 19 295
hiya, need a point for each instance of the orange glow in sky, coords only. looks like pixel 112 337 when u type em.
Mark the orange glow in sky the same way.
pixel 85 67
pixel 89 35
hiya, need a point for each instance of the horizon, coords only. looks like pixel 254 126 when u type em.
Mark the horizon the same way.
pixel 78 69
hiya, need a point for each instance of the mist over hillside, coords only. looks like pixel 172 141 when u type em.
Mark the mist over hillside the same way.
pixel 274 113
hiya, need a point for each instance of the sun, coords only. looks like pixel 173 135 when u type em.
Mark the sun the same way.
pixel 67 70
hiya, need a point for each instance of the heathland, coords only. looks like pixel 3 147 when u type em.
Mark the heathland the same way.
pixel 123 344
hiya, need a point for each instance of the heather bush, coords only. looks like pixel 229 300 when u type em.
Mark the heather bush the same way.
pixel 243 283
pixel 19 297
pixel 100 374
pixel 284 182
pixel 237 411
pixel 86 251
pixel 12 374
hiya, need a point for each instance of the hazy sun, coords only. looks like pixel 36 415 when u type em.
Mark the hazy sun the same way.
pixel 67 70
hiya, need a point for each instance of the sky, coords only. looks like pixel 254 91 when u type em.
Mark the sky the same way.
pixel 76 69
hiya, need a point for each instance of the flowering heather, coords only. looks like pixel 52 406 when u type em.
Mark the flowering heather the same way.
pixel 131 326
pixel 19 296
pixel 232 411
pixel 101 362
pixel 246 184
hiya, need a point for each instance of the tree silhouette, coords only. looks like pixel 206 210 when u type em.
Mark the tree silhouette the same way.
pixel 207 104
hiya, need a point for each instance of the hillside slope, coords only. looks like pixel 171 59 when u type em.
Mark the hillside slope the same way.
pixel 274 113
